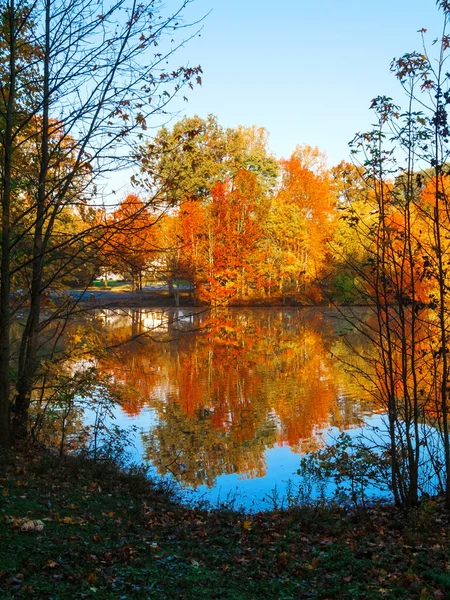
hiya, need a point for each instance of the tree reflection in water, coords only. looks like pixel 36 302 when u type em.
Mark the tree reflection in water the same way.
pixel 230 384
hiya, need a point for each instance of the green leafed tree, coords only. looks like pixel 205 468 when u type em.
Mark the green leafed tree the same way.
pixel 185 162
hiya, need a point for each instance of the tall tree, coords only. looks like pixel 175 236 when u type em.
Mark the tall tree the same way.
pixel 222 238
pixel 187 161
pixel 301 223
pixel 93 80
pixel 407 274
pixel 236 233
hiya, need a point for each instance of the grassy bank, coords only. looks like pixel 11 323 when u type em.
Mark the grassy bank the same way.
pixel 81 530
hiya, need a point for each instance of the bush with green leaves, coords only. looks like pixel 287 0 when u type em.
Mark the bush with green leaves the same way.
pixel 351 466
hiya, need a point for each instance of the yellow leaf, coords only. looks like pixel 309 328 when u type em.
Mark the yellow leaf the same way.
pixel 67 520
pixel 52 564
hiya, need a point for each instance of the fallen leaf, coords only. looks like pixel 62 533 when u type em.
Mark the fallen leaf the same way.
pixel 52 564
pixel 32 526
pixel 92 578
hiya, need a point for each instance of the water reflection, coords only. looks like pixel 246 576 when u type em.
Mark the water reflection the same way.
pixel 225 388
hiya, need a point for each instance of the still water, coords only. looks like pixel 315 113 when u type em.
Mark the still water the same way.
pixel 227 402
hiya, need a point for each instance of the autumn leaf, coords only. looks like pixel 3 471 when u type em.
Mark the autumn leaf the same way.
pixel 52 564
pixel 32 526
pixel 67 520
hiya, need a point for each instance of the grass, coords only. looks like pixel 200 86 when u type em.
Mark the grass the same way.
pixel 108 534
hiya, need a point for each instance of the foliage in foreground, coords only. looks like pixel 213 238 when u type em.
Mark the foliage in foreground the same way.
pixel 99 533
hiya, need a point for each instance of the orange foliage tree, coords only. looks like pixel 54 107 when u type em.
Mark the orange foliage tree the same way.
pixel 222 239
pixel 236 233
pixel 241 244
pixel 194 256
pixel 300 224
pixel 131 245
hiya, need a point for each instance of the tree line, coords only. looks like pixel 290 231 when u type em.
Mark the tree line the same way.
pixel 230 219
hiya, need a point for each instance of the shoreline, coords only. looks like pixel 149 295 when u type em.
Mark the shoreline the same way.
pixel 73 528
pixel 122 299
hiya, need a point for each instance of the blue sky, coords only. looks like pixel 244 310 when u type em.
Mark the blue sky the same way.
pixel 304 70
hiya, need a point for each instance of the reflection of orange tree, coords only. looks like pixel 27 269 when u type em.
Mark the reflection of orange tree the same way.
pixel 302 388
pixel 131 363
pixel 248 380
pixel 356 377
pixel 130 366
pixel 305 401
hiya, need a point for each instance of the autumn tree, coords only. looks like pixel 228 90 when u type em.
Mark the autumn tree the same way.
pixel 169 267
pixel 282 231
pixel 183 166
pixel 350 245
pixel 235 238
pixel 300 224
pixel 222 239
pixel 77 84
pixel 406 276
pixel 194 237
pixel 131 244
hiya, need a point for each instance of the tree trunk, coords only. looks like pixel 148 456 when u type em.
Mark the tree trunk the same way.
pixel 29 342
pixel 5 283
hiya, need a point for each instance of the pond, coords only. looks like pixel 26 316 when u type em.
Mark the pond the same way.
pixel 227 402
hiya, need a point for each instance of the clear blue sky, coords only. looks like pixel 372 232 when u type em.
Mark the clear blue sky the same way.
pixel 304 70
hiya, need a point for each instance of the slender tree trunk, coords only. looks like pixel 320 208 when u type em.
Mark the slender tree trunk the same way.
pixel 444 342
pixel 29 342
pixel 385 336
pixel 5 283
pixel 412 366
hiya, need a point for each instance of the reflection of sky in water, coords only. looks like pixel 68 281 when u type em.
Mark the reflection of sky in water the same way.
pixel 259 493
pixel 230 410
